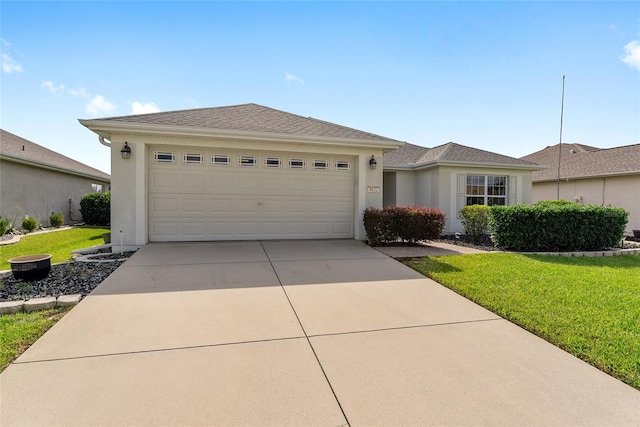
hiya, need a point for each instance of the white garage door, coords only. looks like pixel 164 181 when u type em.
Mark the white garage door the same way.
pixel 197 194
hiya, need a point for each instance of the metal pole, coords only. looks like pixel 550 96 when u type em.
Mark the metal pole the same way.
pixel 560 144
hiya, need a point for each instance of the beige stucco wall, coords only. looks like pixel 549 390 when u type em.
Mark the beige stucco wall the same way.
pixel 37 192
pixel 622 192
pixel 438 187
pixel 129 186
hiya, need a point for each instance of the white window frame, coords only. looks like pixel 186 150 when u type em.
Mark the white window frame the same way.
pixel 485 188
pixel 216 159
pixel 192 158
pixel 247 161
pixel 164 157
pixel 272 162
pixel 295 163
pixel 320 165
pixel 342 165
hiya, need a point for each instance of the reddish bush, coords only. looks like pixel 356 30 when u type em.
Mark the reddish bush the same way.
pixel 405 223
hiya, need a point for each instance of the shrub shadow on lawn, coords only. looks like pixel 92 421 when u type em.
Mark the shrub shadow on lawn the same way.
pixel 428 264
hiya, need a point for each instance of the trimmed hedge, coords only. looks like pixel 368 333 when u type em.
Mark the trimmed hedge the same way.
pixel 475 221
pixel 557 226
pixel 406 223
pixel 96 208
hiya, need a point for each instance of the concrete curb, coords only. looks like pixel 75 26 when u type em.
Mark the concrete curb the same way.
pixel 37 304
pixel 618 252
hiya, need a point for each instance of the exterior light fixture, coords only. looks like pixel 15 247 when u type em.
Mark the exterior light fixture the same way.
pixel 372 162
pixel 126 151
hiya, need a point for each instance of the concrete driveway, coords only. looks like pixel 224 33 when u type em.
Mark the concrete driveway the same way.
pixel 299 333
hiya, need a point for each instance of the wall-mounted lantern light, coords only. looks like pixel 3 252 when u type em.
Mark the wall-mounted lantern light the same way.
pixel 372 162
pixel 126 151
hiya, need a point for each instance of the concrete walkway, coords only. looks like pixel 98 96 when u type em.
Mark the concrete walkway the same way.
pixel 299 333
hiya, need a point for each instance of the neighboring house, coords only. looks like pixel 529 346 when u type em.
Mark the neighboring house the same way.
pixel 251 172
pixel 452 176
pixel 36 181
pixel 239 173
pixel 592 176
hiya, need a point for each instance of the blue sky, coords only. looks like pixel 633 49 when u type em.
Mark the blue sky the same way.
pixel 483 74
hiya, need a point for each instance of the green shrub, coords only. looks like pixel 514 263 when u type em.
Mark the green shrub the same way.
pixel 56 219
pixel 475 221
pixel 5 226
pixel 96 208
pixel 406 223
pixel 557 227
pixel 29 224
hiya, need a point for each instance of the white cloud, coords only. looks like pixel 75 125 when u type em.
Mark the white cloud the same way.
pixel 55 90
pixel 632 58
pixel 9 65
pixel 293 78
pixel 79 92
pixel 99 106
pixel 140 108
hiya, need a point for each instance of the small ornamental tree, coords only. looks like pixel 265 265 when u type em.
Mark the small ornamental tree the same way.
pixel 96 208
pixel 475 221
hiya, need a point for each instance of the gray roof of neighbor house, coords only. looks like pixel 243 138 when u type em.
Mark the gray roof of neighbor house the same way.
pixel 583 161
pixel 17 149
pixel 245 118
pixel 414 156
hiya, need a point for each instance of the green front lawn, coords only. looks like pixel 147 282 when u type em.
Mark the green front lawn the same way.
pixel 587 306
pixel 18 331
pixel 57 243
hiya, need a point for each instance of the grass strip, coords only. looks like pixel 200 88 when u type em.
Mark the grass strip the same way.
pixel 590 307
pixel 57 243
pixel 18 331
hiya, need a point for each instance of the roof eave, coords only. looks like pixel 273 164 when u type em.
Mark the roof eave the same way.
pixel 107 128
pixel 51 167
pixel 434 163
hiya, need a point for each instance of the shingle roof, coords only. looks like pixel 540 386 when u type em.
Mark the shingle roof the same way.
pixel 582 161
pixel 251 118
pixel 414 156
pixel 15 147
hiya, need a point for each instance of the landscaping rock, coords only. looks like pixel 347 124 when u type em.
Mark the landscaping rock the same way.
pixel 64 279
pixel 39 304
pixel 67 300
pixel 10 307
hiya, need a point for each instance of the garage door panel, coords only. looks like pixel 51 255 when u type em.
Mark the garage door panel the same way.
pixel 213 202
pixel 194 205
pixel 161 181
pixel 167 204
pixel 296 206
pixel 194 183
pixel 193 228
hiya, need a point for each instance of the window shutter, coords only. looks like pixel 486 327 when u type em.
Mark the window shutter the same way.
pixel 461 193
pixel 513 190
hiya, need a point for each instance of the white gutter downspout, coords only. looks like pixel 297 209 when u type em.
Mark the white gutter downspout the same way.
pixel 103 141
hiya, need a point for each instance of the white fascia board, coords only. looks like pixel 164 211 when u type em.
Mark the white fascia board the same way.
pixel 108 128
pixel 393 168
pixel 53 168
